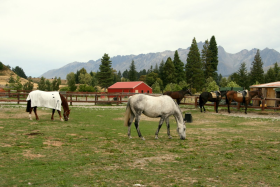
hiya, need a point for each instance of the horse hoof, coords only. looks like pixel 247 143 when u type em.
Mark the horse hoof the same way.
pixel 129 137
pixel 156 137
pixel 170 137
pixel 143 138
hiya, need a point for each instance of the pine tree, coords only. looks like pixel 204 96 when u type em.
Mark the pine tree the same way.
pixel 243 78
pixel 270 76
pixel 194 69
pixel 214 56
pixel 29 85
pixel 161 72
pixel 48 86
pixel 125 74
pixel 169 71
pixel 104 77
pixel 179 68
pixel 19 71
pixel 257 73
pixel 132 73
pixel 276 71
pixel 206 57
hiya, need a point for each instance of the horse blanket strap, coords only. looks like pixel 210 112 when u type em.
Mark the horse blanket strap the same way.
pixel 243 93
pixel 215 94
pixel 45 99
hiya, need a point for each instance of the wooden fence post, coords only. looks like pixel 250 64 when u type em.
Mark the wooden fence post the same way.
pixel 18 97
pixel 195 102
pixel 71 99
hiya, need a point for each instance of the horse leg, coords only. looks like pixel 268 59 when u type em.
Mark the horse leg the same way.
pixel 229 102
pixel 159 126
pixel 59 113
pixel 246 104
pixel 30 112
pixel 136 123
pixel 217 106
pixel 168 127
pixel 178 101
pixel 35 112
pixel 129 125
pixel 53 110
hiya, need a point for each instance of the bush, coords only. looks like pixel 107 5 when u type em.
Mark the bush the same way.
pixel 64 89
pixel 86 88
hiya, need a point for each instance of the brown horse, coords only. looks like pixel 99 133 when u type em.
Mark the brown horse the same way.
pixel 232 95
pixel 178 95
pixel 43 99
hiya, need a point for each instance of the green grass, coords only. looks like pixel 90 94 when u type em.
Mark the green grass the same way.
pixel 92 149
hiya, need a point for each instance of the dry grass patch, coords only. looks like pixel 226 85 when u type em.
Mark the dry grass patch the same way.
pixel 30 155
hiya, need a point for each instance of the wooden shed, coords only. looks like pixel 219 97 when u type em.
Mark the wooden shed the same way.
pixel 269 90
pixel 130 87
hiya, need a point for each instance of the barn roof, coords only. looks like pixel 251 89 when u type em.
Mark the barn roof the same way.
pixel 127 85
pixel 267 85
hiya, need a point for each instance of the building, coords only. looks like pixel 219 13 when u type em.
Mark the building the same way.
pixel 269 90
pixel 130 87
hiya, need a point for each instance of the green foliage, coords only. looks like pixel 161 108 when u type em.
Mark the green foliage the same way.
pixel 104 75
pixel 206 58
pixel 65 88
pixel 11 79
pixel 156 87
pixel 223 82
pixel 214 56
pixel 173 87
pixel 19 71
pixel 86 88
pixel 29 85
pixel 48 86
pixel 257 73
pixel 42 84
pixel 151 78
pixel 269 76
pixel 232 84
pixel 1 66
pixel 179 68
pixel 71 80
pixel 169 72
pixel 85 78
pixel 211 85
pixel 16 85
pixel 132 74
pixel 194 68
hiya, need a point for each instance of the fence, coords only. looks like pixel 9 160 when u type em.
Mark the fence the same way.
pixel 119 98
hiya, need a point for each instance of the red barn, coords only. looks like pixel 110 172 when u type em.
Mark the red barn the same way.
pixel 130 87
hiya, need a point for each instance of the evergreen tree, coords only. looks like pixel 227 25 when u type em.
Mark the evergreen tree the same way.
pixel 55 84
pixel 42 84
pixel 71 80
pixel 151 78
pixel 104 77
pixel 16 85
pixel 1 65
pixel 257 73
pixel 11 79
pixel 206 57
pixel 161 72
pixel 270 76
pixel 132 74
pixel 19 71
pixel 125 74
pixel 169 71
pixel 243 77
pixel 156 70
pixel 194 69
pixel 48 85
pixel 214 57
pixel 119 76
pixel 276 71
pixel 179 68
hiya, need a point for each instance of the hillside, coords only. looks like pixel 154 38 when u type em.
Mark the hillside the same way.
pixel 228 63
pixel 5 75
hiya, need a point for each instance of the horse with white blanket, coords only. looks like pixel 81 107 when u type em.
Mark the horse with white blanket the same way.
pixel 53 100
pixel 155 107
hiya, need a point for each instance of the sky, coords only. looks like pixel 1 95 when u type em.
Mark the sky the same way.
pixel 40 35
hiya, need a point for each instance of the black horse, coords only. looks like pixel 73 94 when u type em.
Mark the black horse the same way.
pixel 207 96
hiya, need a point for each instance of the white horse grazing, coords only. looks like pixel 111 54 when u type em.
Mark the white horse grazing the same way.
pixel 155 107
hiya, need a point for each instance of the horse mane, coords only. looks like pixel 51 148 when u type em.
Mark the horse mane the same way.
pixel 64 102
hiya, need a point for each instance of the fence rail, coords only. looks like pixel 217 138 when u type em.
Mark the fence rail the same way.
pixel 119 98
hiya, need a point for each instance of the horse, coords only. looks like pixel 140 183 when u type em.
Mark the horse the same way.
pixel 155 107
pixel 52 100
pixel 178 95
pixel 232 95
pixel 207 96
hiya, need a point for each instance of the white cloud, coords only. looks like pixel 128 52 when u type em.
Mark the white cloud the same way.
pixel 43 35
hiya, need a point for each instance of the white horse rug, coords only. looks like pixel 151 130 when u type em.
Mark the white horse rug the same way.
pixel 45 99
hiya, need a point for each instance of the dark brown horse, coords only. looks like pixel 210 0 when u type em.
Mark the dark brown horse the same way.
pixel 207 96
pixel 44 100
pixel 232 95
pixel 178 95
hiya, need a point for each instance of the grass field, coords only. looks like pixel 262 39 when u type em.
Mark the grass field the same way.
pixel 92 149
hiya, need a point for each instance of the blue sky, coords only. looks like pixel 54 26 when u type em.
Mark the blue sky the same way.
pixel 47 34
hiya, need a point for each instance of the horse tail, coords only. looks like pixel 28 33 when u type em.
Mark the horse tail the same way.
pixel 28 107
pixel 127 113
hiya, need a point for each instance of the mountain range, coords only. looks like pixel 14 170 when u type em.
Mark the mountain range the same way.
pixel 228 63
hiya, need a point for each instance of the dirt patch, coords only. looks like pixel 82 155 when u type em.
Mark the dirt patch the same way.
pixel 19 113
pixel 53 143
pixel 32 156
pixel 275 116
pixel 156 159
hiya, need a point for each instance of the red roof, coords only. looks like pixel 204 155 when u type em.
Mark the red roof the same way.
pixel 126 84
pixel 267 85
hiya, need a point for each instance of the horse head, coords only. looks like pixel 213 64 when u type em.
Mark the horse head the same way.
pixel 260 95
pixel 187 91
pixel 66 115
pixel 181 129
